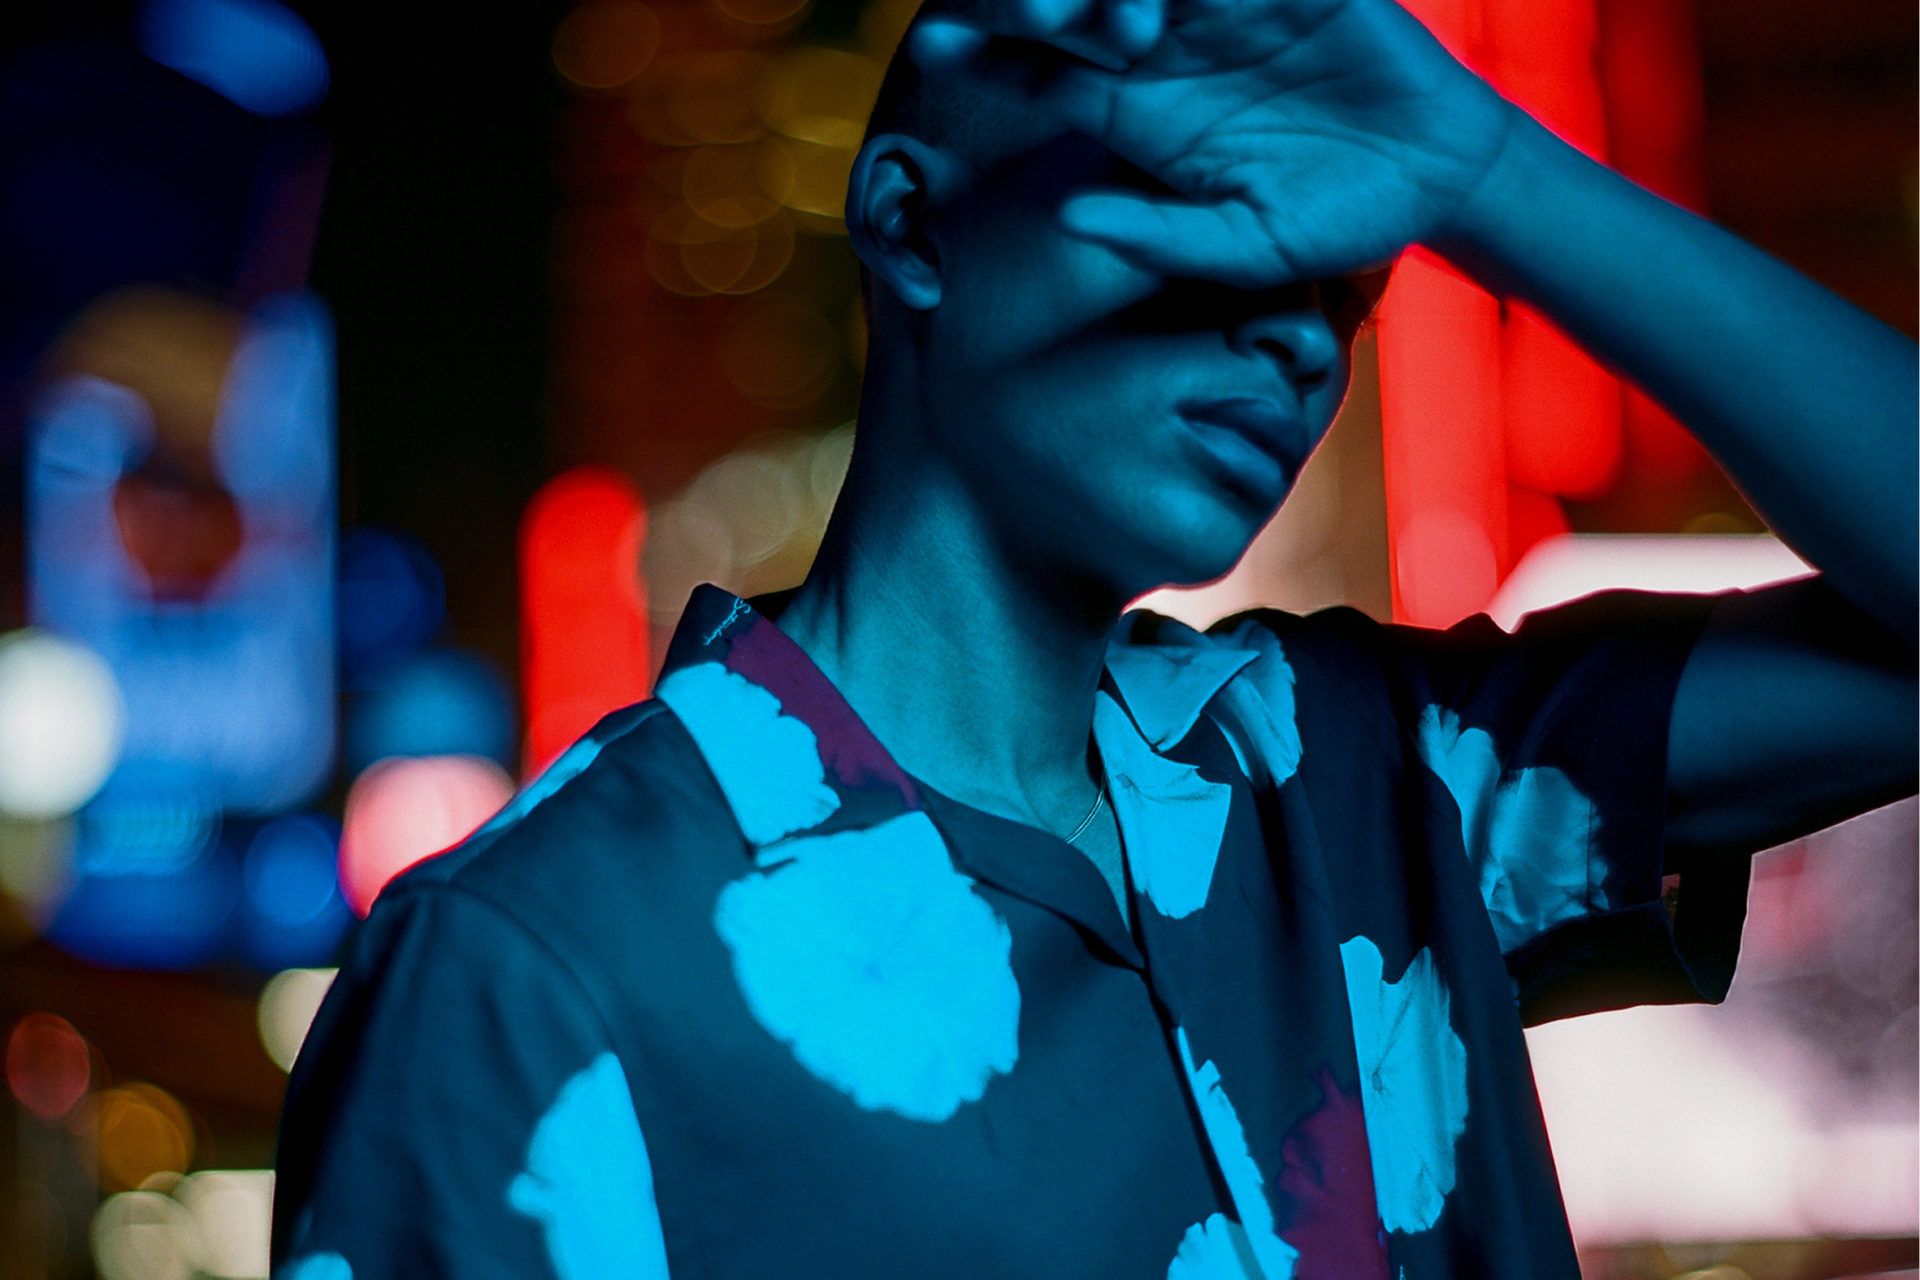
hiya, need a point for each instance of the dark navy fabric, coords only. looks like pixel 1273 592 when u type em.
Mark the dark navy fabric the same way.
pixel 728 993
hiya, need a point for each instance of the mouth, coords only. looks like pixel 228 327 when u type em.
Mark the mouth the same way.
pixel 1261 443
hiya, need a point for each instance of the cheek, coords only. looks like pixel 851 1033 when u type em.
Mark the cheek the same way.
pixel 1020 288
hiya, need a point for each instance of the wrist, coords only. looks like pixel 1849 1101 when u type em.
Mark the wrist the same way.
pixel 1472 237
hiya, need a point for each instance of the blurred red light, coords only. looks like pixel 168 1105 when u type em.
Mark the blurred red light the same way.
pixel 584 628
pixel 404 810
pixel 48 1067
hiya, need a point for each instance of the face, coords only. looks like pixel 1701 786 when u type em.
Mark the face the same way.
pixel 1118 423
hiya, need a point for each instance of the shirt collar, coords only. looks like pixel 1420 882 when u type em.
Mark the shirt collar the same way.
pixel 794 761
pixel 1162 687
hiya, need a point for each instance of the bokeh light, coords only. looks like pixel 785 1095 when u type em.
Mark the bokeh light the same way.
pixel 141 1130
pixel 256 53
pixel 294 913
pixel 604 44
pixel 403 810
pixel 288 872
pixel 437 703
pixel 287 1005
pixel 60 724
pixel 780 352
pixel 146 1235
pixel 232 1212
pixel 48 1065
pixel 585 648
pixel 393 598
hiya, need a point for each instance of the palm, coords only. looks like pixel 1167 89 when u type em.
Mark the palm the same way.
pixel 1304 139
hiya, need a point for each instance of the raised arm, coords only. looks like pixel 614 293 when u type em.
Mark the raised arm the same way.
pixel 1308 139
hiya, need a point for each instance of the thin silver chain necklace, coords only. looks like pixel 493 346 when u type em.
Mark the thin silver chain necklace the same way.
pixel 1099 798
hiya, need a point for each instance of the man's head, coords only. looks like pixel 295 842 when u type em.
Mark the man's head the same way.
pixel 1053 381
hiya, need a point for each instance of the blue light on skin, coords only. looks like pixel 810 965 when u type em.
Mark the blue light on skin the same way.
pixel 257 54
pixel 1022 427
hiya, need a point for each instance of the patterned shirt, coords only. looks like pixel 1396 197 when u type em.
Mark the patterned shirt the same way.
pixel 728 993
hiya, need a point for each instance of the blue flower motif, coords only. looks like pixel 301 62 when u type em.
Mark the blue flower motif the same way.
pixel 873 959
pixel 588 1182
pixel 767 764
pixel 1173 818
pixel 1527 833
pixel 1413 1081
pixel 316 1266
pixel 1216 1247
pixel 1264 702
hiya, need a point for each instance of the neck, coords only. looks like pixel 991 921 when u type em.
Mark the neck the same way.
pixel 974 662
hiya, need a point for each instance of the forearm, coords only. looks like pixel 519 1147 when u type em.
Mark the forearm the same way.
pixel 1806 401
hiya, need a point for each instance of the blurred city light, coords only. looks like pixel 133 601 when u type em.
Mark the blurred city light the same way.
pixel 585 649
pixel 227 680
pixel 60 724
pixel 256 53
pixel 295 913
pixel 140 1130
pixel 232 1212
pixel 393 598
pixel 604 44
pixel 440 702
pixel 287 1005
pixel 146 1235
pixel 1574 565
pixel 403 810
pixel 48 1065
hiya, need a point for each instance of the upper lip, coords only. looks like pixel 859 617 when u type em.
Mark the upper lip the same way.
pixel 1267 423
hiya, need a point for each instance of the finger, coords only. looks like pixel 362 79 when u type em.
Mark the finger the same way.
pixel 1133 27
pixel 1174 237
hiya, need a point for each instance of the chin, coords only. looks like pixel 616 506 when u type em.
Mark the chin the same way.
pixel 1192 556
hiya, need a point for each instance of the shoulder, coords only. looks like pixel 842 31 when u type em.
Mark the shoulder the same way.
pixel 627 824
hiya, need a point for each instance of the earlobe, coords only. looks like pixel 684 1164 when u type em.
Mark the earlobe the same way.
pixel 890 195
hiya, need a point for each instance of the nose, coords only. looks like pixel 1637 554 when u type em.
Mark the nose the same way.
pixel 1297 337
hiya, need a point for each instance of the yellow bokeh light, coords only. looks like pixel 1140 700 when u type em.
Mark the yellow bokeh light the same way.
pixel 736 250
pixel 765 16
pixel 780 352
pixel 805 176
pixel 883 22
pixel 820 95
pixel 142 1130
pixel 605 44
pixel 703 98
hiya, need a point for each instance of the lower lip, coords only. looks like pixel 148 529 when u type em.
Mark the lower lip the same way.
pixel 1242 464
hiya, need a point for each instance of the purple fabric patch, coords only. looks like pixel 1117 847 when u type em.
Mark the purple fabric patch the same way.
pixel 1327 1176
pixel 761 652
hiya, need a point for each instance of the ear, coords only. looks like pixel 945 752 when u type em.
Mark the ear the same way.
pixel 897 183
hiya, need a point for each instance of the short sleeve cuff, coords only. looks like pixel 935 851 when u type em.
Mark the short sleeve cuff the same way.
pixel 1656 937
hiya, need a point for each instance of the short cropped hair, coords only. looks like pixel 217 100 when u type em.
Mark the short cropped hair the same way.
pixel 950 110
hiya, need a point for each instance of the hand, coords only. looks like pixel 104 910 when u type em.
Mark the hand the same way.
pixel 1301 139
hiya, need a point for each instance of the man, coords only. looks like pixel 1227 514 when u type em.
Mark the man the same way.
pixel 930 922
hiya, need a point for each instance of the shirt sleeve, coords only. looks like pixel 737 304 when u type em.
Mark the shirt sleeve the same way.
pixel 458 1110
pixel 1551 743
